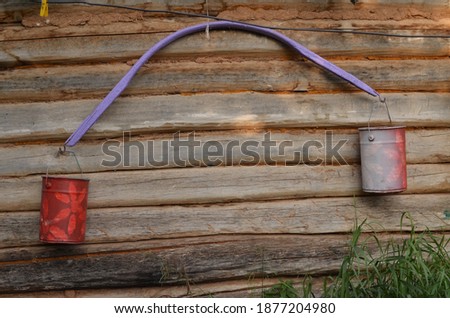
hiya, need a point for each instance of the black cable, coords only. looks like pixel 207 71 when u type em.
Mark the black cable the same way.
pixel 199 15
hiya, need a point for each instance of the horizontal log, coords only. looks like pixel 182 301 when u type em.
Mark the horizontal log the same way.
pixel 154 151
pixel 73 24
pixel 109 48
pixel 251 287
pixel 215 258
pixel 206 75
pixel 219 184
pixel 342 9
pixel 188 3
pixel 309 216
pixel 57 120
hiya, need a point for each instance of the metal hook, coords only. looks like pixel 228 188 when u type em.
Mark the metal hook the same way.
pixel 63 151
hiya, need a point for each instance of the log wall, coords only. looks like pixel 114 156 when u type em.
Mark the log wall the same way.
pixel 213 227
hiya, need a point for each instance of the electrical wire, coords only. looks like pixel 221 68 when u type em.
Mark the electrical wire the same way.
pixel 205 16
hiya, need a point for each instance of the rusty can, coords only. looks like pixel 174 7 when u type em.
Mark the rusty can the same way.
pixel 383 159
pixel 63 210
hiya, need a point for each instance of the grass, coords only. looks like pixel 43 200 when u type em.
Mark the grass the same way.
pixel 418 266
pixel 284 289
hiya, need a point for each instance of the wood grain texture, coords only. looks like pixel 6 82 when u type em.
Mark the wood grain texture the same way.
pixel 57 120
pixel 422 146
pixel 212 258
pixel 110 48
pixel 252 287
pixel 308 216
pixel 314 9
pixel 206 75
pixel 219 184
pixel 238 2
pixel 189 262
pixel 73 24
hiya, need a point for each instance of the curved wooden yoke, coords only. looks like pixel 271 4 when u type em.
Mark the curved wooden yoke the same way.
pixel 123 83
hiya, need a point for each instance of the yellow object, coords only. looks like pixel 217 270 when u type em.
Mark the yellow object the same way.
pixel 44 8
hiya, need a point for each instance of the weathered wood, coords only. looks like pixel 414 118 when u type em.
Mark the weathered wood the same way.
pixel 344 10
pixel 168 3
pixel 57 120
pixel 341 9
pixel 423 146
pixel 245 288
pixel 22 254
pixel 212 259
pixel 216 258
pixel 73 24
pixel 228 75
pixel 251 287
pixel 220 184
pixel 108 48
pixel 310 216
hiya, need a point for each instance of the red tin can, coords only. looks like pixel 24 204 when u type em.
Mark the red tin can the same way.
pixel 383 159
pixel 63 210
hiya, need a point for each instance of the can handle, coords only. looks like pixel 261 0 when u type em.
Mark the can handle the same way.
pixel 123 83
pixel 371 137
pixel 62 151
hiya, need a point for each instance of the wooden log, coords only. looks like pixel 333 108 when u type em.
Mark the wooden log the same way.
pixel 219 184
pixel 216 258
pixel 25 253
pixel 110 48
pixel 73 24
pixel 423 146
pixel 384 9
pixel 309 216
pixel 252 287
pixel 206 75
pixel 344 10
pixel 168 3
pixel 57 120
pixel 44 252
pixel 213 259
